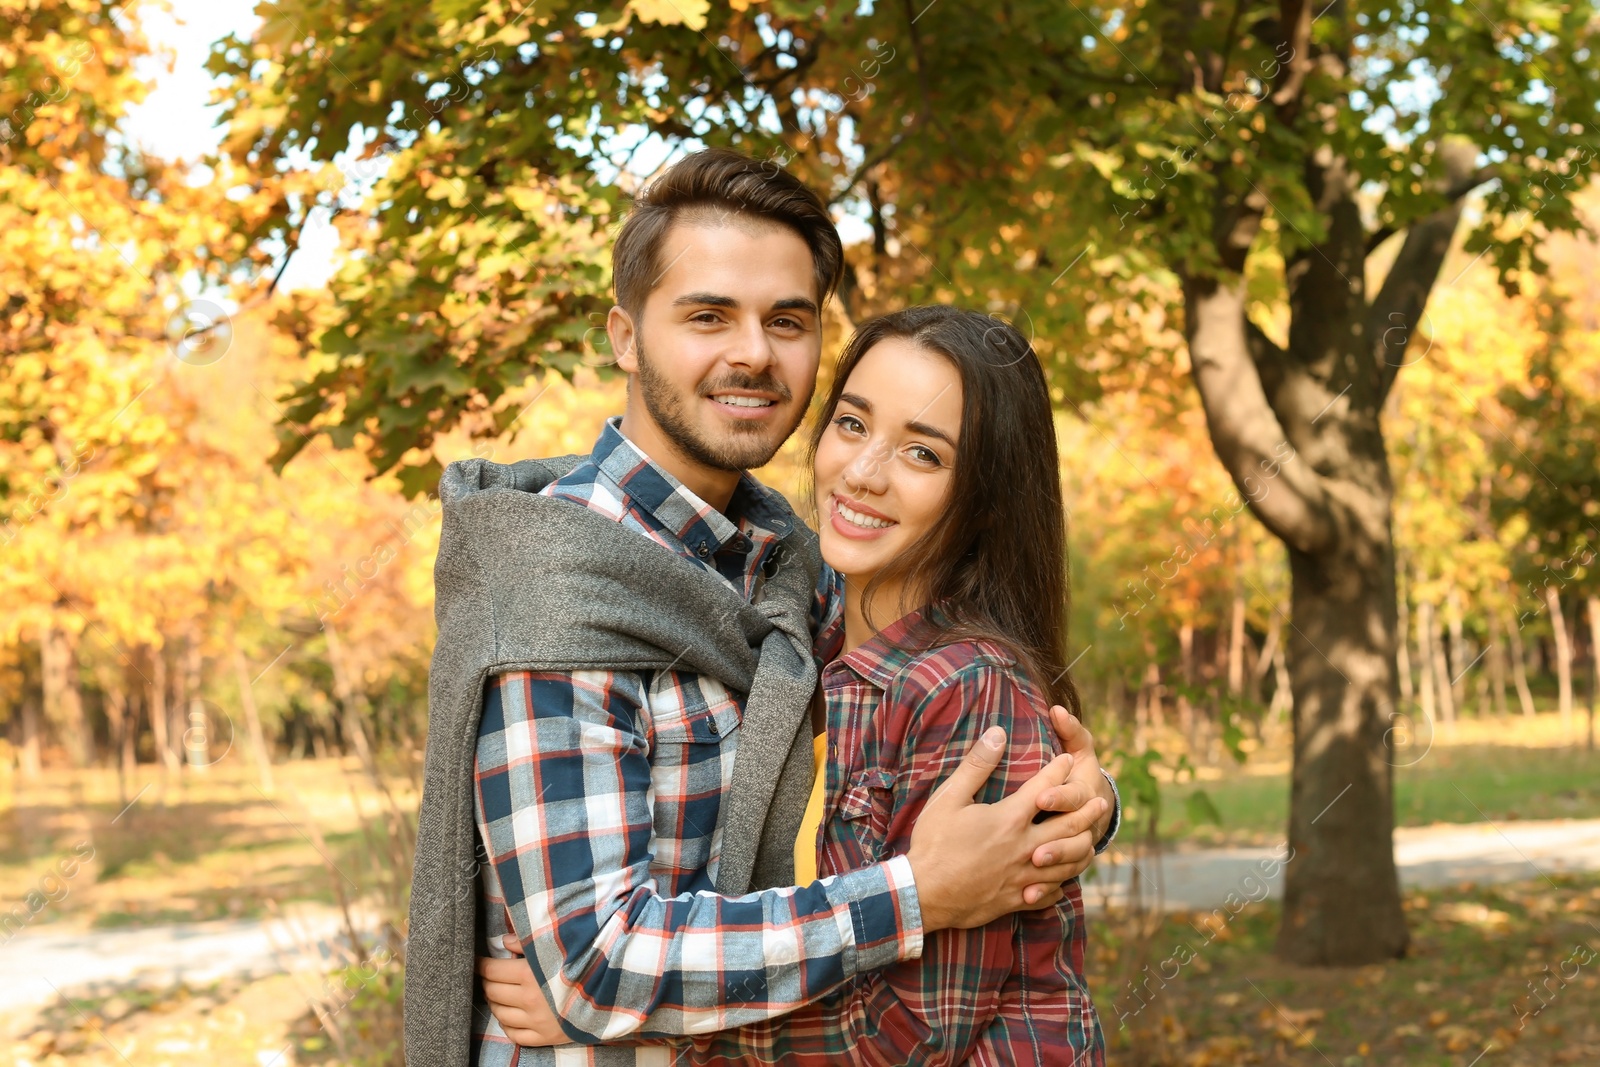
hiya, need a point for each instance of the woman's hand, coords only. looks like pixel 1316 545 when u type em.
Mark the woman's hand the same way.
pixel 517 1001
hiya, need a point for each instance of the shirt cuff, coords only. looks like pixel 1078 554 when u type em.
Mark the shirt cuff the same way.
pixel 1116 815
pixel 885 914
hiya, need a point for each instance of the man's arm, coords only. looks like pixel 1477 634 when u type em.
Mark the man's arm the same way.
pixel 563 783
pixel 563 787
pixel 931 1011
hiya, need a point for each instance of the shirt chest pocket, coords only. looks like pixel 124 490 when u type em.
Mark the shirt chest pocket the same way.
pixel 691 765
pixel 865 810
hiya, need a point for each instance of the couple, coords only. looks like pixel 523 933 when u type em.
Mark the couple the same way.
pixel 700 796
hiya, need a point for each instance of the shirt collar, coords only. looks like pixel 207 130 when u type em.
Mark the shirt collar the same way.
pixel 885 654
pixel 675 506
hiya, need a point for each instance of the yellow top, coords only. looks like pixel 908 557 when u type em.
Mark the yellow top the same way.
pixel 805 842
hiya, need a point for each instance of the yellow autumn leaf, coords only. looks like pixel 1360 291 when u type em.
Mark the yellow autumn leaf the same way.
pixel 690 13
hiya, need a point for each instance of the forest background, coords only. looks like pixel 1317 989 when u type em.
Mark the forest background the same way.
pixel 1316 288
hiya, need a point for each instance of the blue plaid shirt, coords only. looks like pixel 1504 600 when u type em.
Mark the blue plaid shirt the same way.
pixel 597 798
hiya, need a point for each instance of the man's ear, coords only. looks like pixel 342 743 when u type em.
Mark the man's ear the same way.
pixel 620 331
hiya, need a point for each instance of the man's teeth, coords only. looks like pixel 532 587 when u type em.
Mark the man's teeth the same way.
pixel 744 401
pixel 855 518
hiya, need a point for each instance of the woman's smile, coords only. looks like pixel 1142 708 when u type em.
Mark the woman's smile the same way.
pixel 857 520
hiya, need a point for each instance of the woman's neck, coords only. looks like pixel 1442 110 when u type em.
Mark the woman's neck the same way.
pixel 888 603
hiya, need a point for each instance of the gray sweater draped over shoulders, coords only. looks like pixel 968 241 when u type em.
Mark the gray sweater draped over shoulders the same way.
pixel 528 582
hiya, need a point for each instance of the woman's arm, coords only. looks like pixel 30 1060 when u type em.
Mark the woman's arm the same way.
pixel 933 1010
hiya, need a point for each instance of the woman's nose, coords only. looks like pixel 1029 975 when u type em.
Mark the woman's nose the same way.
pixel 865 472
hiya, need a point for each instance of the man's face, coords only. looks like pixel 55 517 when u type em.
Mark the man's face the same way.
pixel 726 349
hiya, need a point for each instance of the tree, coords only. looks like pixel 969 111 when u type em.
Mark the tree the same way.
pixel 1241 168
pixel 1551 463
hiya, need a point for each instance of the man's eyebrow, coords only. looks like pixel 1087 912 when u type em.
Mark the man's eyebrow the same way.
pixel 705 300
pixel 796 303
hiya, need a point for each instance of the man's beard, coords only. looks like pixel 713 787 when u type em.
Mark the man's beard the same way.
pixel 748 446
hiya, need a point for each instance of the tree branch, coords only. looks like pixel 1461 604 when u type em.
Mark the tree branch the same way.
pixel 1398 308
pixel 1455 192
pixel 1225 350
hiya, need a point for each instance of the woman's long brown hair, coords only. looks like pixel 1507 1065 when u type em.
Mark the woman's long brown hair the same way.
pixel 995 565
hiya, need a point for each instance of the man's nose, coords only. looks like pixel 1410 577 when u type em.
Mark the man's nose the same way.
pixel 751 350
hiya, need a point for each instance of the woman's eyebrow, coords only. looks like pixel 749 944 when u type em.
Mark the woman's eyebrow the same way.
pixel 930 431
pixel 856 401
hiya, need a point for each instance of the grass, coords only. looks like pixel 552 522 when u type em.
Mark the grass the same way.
pixel 1481 770
pixel 211 845
pixel 1462 992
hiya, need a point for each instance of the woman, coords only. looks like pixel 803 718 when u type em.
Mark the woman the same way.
pixel 939 504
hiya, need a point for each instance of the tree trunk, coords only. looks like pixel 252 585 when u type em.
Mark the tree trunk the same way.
pixel 30 761
pixel 1442 681
pixel 1497 665
pixel 63 697
pixel 193 729
pixel 159 716
pixel 1236 646
pixel 1425 682
pixel 1186 673
pixel 1593 604
pixel 247 701
pixel 1402 648
pixel 1558 623
pixel 1458 649
pixel 351 700
pixel 1519 668
pixel 117 720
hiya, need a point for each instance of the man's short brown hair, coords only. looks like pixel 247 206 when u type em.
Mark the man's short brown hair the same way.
pixel 705 186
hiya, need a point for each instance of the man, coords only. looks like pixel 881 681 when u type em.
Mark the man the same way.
pixel 621 696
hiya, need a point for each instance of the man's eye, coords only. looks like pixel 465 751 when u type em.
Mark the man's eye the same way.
pixel 786 324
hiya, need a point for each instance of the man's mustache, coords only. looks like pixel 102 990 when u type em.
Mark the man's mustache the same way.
pixel 764 383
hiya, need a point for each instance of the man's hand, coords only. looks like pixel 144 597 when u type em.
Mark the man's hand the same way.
pixel 1083 784
pixel 517 1001
pixel 976 862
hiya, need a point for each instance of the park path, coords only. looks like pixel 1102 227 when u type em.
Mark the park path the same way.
pixel 1428 857
pixel 40 964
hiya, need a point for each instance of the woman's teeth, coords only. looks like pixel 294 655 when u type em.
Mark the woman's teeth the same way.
pixel 744 401
pixel 855 518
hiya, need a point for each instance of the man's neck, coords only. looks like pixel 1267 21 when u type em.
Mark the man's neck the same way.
pixel 713 486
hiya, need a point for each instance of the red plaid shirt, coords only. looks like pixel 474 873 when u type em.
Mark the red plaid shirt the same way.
pixel 899 722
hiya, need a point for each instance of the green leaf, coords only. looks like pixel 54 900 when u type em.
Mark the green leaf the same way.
pixel 1198 808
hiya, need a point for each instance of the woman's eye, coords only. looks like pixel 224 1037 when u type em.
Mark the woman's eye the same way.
pixel 924 454
pixel 849 423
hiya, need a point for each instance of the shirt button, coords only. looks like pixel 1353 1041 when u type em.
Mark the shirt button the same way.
pixel 704 550
pixel 711 726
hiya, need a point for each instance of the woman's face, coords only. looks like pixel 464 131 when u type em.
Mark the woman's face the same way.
pixel 885 463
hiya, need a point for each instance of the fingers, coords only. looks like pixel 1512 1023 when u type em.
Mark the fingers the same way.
pixel 1062 846
pixel 1055 839
pixel 1070 730
pixel 1069 797
pixel 974 770
pixel 1025 801
pixel 497 970
pixel 1042 895
pixel 1046 833
pixel 509 1015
